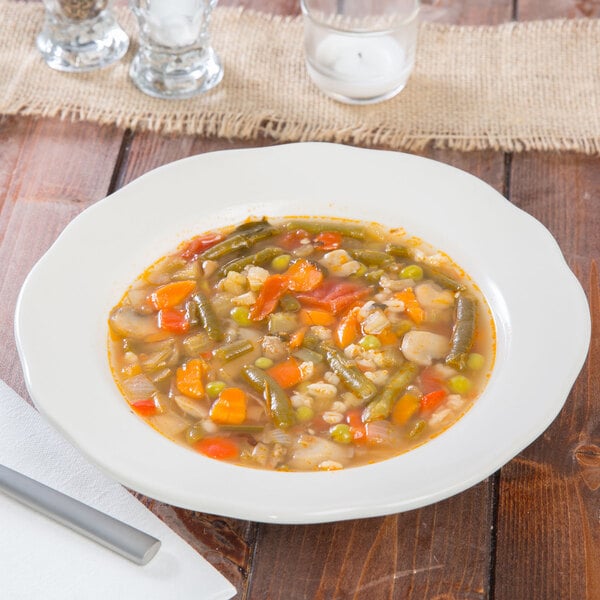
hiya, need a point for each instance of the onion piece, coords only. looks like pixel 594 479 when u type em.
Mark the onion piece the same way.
pixel 309 451
pixel 138 387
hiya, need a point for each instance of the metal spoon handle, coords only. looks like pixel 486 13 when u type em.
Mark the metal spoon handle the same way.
pixel 124 539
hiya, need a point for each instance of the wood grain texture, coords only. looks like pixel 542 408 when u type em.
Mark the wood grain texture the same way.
pixel 548 536
pixel 51 171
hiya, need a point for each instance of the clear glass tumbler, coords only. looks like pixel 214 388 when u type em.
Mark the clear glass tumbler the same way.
pixel 360 51
pixel 175 58
pixel 81 35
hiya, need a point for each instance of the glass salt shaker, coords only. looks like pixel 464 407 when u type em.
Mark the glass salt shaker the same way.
pixel 81 35
pixel 175 58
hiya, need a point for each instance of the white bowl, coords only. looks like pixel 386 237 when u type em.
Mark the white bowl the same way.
pixel 61 323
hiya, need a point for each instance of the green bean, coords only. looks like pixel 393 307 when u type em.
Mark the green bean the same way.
pixel 462 333
pixel 442 279
pixel 233 350
pixel 313 227
pixel 260 258
pixel 371 258
pixel 278 404
pixel 352 377
pixel 397 251
pixel 243 237
pixel 242 428
pixel 311 341
pixel 306 355
pixel 374 276
pixel 208 317
pixel 381 406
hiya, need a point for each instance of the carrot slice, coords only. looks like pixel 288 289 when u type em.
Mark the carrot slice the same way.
pixel 357 427
pixel 387 337
pixel 411 305
pixel 145 408
pixel 297 338
pixel 348 328
pixel 189 378
pixel 200 244
pixel 286 373
pixel 405 407
pixel 230 407
pixel 272 290
pixel 221 448
pixel 303 276
pixel 316 316
pixel 172 294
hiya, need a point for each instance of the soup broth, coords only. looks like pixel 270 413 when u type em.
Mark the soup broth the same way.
pixel 301 345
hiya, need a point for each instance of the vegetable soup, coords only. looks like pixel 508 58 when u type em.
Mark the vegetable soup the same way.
pixel 301 345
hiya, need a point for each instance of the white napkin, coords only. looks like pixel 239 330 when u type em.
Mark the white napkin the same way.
pixel 41 559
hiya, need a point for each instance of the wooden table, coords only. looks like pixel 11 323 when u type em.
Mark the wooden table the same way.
pixel 531 531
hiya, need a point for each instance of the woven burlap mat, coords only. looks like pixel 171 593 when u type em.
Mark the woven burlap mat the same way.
pixel 518 86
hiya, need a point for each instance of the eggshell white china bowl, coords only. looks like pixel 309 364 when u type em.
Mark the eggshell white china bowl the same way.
pixel 61 323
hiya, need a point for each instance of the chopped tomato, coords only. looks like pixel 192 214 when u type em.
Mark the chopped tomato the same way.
pixel 429 402
pixel 221 448
pixel 287 373
pixel 328 240
pixel 430 379
pixel 146 408
pixel 293 239
pixel 200 244
pixel 273 289
pixel 334 296
pixel 171 319
pixel 357 427
pixel 303 276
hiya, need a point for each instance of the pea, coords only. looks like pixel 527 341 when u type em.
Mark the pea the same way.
pixel 281 262
pixel 304 413
pixel 475 361
pixel 262 362
pixel 414 272
pixel 370 342
pixel 241 315
pixel 194 433
pixel 341 433
pixel 459 384
pixel 214 388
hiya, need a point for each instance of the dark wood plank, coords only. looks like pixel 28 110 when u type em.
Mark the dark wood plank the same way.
pixel 548 543
pixel 548 536
pixel 53 170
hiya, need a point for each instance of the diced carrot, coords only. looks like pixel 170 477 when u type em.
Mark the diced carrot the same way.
pixel 274 287
pixel 406 406
pixel 171 319
pixel 316 316
pixel 221 448
pixel 387 337
pixel 348 328
pixel 431 401
pixel 189 378
pixel 200 244
pixel 146 408
pixel 297 338
pixel 411 305
pixel 357 427
pixel 303 276
pixel 171 294
pixel 328 240
pixel 230 407
pixel 286 373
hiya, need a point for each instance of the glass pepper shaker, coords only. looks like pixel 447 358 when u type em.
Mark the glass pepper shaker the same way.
pixel 81 35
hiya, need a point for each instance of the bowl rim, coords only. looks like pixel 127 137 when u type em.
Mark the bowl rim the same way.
pixel 275 178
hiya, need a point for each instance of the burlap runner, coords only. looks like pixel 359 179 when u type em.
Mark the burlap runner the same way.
pixel 517 86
